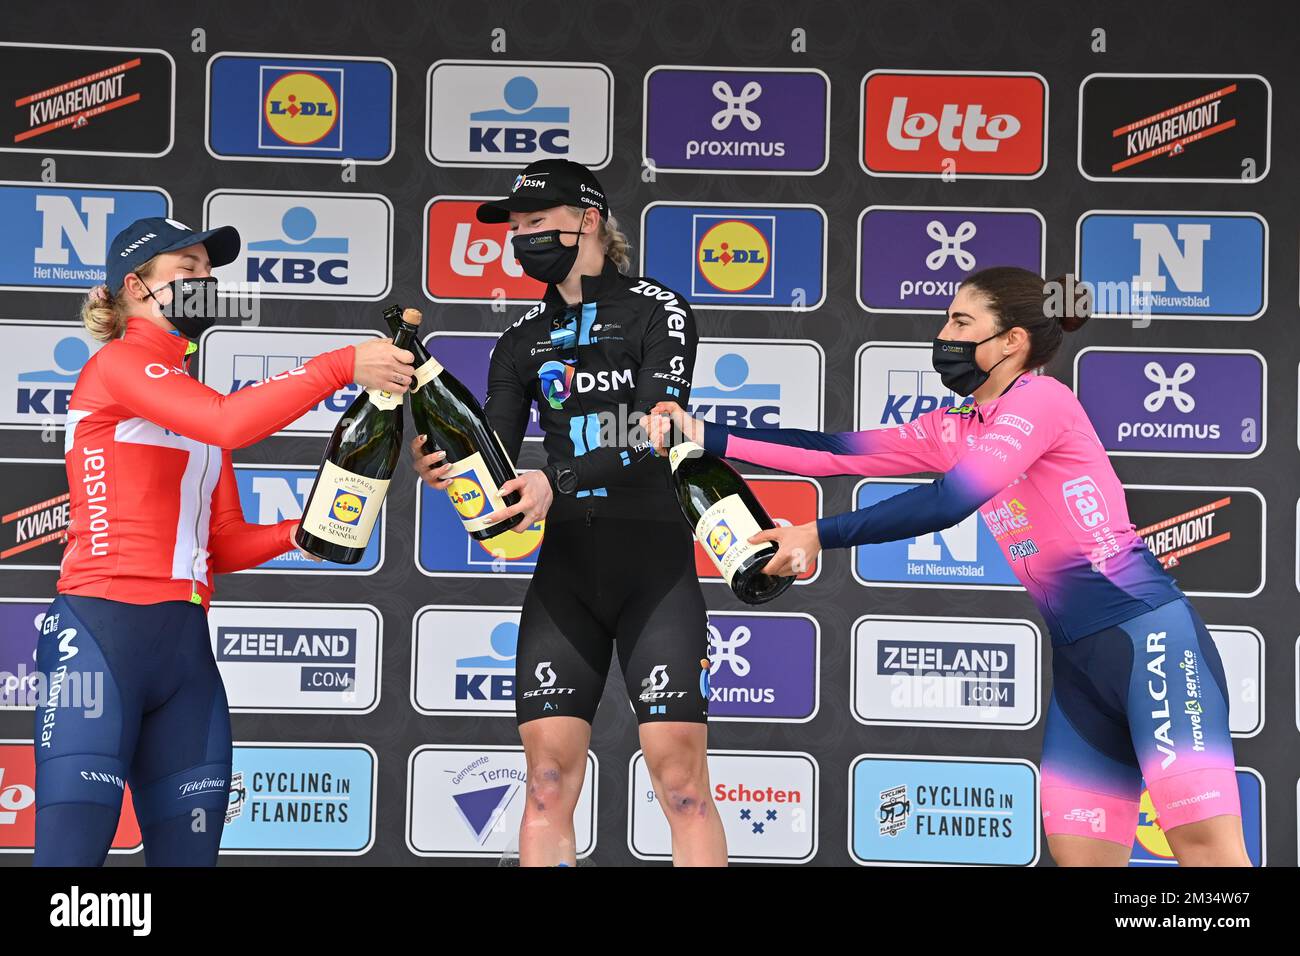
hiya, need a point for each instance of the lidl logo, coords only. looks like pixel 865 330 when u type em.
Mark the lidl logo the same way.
pixel 467 495
pixel 735 255
pixel 721 538
pixel 301 108
pixel 347 507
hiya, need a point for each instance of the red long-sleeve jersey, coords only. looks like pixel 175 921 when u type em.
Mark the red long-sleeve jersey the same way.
pixel 154 505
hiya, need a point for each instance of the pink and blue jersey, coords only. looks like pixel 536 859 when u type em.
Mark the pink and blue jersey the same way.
pixel 1138 687
pixel 1029 461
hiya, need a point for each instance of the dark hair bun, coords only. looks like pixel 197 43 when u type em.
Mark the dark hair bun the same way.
pixel 1077 301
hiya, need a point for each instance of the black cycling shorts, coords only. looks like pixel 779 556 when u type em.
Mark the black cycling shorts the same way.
pixel 604 581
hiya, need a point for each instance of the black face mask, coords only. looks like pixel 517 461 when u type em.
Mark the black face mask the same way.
pixel 193 309
pixel 543 257
pixel 955 363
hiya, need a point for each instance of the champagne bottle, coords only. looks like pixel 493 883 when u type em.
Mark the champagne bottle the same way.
pixel 450 417
pixel 359 460
pixel 724 513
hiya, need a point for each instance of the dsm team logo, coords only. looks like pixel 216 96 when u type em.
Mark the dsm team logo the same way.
pixel 911 259
pixel 56 237
pixel 1175 127
pixel 1196 403
pixel 953 125
pixel 1182 265
pixel 470 261
pixel 508 114
pixel 38 370
pixel 307 245
pixel 759 383
pixel 731 120
pixel 302 109
pixel 92 100
pixel 272 493
pixel 737 256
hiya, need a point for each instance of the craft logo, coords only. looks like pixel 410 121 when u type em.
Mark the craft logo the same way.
pixel 107 101
pixel 951 124
pixel 1174 127
pixel 709 120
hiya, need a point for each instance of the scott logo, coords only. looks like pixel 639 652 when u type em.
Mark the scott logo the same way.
pixel 1086 503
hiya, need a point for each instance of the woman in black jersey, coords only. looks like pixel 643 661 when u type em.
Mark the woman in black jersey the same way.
pixel 617 564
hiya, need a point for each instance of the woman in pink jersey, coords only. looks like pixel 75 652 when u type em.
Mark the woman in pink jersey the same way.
pixel 1138 687
pixel 130 690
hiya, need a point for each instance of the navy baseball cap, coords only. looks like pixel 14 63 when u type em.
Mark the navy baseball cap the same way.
pixel 545 184
pixel 145 238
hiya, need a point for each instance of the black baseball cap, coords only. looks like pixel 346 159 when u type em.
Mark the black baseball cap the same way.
pixel 545 184
pixel 145 238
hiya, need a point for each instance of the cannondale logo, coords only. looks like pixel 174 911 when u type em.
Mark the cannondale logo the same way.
pixel 950 246
pixel 1170 387
pixel 545 676
pixel 737 107
pixel 725 648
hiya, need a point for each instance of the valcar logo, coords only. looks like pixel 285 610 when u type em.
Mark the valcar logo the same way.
pixel 734 256
pixel 788 501
pixel 469 261
pixel 963 125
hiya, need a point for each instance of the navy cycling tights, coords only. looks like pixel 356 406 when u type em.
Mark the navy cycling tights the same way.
pixel 131 695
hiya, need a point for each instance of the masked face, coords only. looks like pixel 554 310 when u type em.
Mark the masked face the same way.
pixel 192 306
pixel 543 255
pixel 954 351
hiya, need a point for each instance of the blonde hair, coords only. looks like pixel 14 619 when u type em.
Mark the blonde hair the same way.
pixel 617 247
pixel 104 313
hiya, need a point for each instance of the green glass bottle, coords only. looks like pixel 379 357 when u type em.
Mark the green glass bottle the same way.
pixel 724 513
pixel 349 490
pixel 451 417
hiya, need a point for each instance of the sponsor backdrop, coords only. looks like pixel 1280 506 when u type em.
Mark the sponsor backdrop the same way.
pixel 816 178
